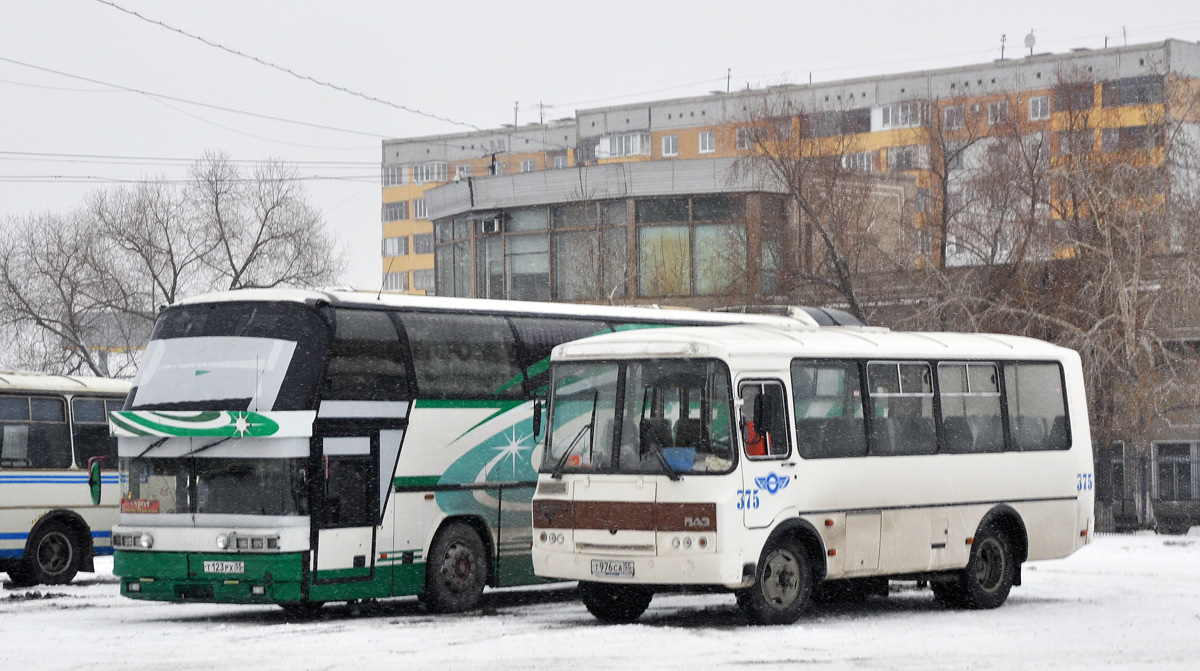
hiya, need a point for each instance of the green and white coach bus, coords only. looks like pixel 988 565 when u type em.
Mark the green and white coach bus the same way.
pixel 52 427
pixel 298 447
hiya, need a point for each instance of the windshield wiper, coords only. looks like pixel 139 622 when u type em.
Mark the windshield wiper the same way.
pixel 153 445
pixel 562 461
pixel 666 466
pixel 205 447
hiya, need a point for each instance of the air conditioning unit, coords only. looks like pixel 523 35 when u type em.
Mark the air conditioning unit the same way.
pixel 487 226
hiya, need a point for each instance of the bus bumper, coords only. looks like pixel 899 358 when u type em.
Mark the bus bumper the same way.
pixel 181 577
pixel 695 569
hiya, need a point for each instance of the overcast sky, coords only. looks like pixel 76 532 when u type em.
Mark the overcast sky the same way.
pixel 91 94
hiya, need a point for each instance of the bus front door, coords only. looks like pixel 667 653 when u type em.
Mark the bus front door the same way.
pixel 768 463
pixel 346 510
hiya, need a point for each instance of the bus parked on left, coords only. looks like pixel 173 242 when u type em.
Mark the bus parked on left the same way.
pixel 51 427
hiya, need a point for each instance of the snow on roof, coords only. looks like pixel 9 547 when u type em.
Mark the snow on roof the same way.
pixel 34 381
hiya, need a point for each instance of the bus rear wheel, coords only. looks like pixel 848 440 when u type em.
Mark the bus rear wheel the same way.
pixel 54 554
pixel 782 585
pixel 615 603
pixel 456 571
pixel 988 577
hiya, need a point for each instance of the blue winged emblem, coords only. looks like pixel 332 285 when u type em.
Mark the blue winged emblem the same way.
pixel 773 483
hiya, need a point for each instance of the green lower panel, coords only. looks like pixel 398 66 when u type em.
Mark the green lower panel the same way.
pixel 517 570
pixel 347 584
pixel 408 579
pixel 178 576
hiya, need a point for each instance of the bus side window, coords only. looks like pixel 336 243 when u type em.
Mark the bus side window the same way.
pixel 367 361
pixel 537 336
pixel 828 409
pixel 1037 415
pixel 89 427
pixel 463 356
pixel 35 433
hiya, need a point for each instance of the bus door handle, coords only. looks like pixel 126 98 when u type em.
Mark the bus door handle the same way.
pixel 790 464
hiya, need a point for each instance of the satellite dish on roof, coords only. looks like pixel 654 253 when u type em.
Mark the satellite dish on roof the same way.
pixel 1030 40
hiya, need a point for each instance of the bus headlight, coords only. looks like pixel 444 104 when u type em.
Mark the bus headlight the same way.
pixel 222 542
pixel 145 541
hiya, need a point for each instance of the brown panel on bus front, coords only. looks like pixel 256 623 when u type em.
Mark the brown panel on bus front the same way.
pixel 623 515
pixel 552 514
pixel 687 517
pixel 614 515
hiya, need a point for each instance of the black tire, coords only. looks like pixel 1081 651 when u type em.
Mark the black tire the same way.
pixel 990 571
pixel 456 571
pixel 782 584
pixel 615 603
pixel 53 554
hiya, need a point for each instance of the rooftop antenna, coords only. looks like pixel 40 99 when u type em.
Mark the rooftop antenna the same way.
pixel 1030 40
pixel 1003 39
pixel 728 74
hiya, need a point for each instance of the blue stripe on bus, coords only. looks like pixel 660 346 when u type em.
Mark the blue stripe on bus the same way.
pixel 54 479
pixel 11 553
pixel 14 537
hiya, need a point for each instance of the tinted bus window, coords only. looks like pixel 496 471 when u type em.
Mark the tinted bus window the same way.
pixel 367 361
pixel 970 398
pixel 90 430
pixel 1037 416
pixel 536 337
pixel 828 408
pixel 901 396
pixel 35 433
pixel 463 356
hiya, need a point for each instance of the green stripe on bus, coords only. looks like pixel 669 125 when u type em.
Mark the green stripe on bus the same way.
pixel 415 481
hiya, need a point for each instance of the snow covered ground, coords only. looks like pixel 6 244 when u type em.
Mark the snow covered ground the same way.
pixel 1124 602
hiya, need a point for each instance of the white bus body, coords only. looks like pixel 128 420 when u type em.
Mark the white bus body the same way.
pixel 53 425
pixel 298 447
pixel 771 461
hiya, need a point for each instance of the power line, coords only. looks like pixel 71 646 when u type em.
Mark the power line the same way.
pixel 293 73
pixel 102 179
pixel 161 97
pixel 170 160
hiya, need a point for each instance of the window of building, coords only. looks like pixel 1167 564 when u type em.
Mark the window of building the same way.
pixel 904 158
pixel 1132 91
pixel 395 175
pixel 719 254
pixel 462 171
pixel 423 243
pixel 527 266
pixel 1039 108
pixel 660 209
pixel 433 171
pixel 830 124
pixel 670 145
pixel 590 265
pixel 419 211
pixel 1173 472
pixel 903 115
pixel 528 165
pixel 423 279
pixel 395 211
pixel 1132 138
pixel 526 219
pixel 395 281
pixel 625 144
pixel 953 117
pixel 1074 97
pixel 560 162
pixel 862 161
pixel 708 141
pixel 664 260
pixel 745 138
pixel 395 246
pixel 997 112
pixel 1076 142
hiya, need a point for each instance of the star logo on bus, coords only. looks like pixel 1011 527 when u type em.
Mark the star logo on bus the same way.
pixel 512 449
pixel 241 423
pixel 773 483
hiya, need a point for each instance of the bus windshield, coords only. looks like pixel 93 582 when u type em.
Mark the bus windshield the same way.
pixel 671 417
pixel 232 356
pixel 215 486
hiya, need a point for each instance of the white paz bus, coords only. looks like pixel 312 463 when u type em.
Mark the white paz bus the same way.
pixel 52 427
pixel 299 447
pixel 776 462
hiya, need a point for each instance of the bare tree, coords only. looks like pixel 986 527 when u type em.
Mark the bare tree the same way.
pixel 79 291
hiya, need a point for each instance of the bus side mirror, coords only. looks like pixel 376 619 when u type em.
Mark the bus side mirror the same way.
pixel 537 419
pixel 94 479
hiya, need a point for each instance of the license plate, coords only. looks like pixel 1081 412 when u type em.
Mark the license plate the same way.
pixel 224 567
pixel 612 569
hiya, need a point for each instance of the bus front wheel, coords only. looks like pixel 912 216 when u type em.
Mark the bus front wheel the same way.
pixel 456 570
pixel 54 554
pixel 615 603
pixel 782 585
